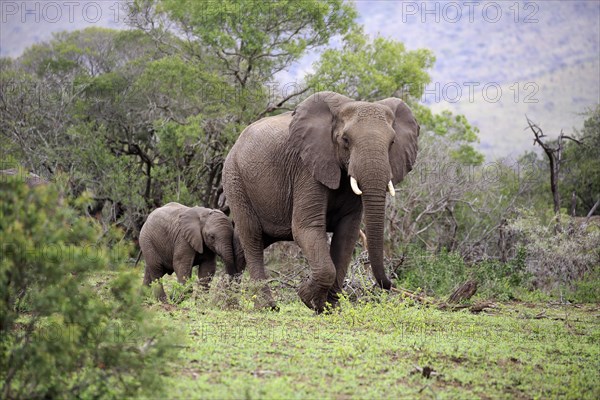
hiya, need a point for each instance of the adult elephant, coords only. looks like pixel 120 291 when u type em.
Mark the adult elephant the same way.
pixel 297 176
pixel 174 238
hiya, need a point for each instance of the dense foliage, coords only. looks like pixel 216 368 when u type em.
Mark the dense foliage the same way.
pixel 581 174
pixel 144 116
pixel 61 334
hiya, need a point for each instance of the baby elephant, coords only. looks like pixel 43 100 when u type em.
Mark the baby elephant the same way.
pixel 176 237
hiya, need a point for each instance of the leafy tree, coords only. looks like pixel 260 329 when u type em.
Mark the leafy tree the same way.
pixel 146 116
pixel 68 95
pixel 582 167
pixel 371 70
pixel 59 336
pixel 249 41
pixel 452 131
pixel 97 120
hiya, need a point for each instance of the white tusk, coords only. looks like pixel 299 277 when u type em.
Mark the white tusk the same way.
pixel 354 186
pixel 391 189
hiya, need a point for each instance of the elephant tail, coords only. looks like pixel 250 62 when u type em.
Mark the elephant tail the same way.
pixel 137 260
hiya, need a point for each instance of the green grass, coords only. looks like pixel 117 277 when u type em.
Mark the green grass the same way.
pixel 373 349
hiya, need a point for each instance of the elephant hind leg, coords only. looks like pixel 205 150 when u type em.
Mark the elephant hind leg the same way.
pixel 152 275
pixel 250 235
pixel 154 268
pixel 248 230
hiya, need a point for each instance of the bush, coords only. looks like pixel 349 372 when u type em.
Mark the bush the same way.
pixel 60 337
pixel 557 255
pixel 587 289
pixel 447 203
pixel 559 260
pixel 439 274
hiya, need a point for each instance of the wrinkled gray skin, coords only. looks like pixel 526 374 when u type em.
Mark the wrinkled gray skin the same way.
pixel 174 238
pixel 288 178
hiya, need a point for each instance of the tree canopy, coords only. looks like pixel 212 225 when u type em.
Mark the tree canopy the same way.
pixel 147 115
pixel 581 174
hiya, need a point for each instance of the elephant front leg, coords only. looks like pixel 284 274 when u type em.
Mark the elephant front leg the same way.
pixel 313 291
pixel 206 271
pixel 183 262
pixel 343 243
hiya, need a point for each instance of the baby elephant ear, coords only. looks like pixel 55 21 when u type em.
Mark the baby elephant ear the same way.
pixel 311 135
pixel 191 223
pixel 404 150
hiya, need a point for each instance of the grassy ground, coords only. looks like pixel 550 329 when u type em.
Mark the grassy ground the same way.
pixel 385 347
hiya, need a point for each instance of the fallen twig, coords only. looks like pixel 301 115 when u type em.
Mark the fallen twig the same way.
pixel 461 293
pixel 411 295
pixel 475 308
pixel 282 283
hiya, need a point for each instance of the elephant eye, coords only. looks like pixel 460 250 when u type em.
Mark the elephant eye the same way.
pixel 345 140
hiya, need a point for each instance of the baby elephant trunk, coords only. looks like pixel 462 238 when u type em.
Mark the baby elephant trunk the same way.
pixel 227 255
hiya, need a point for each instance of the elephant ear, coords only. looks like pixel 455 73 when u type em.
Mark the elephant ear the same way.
pixel 191 223
pixel 311 135
pixel 404 150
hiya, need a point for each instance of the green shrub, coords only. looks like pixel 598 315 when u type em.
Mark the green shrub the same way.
pixel 60 335
pixel 587 289
pixel 557 255
pixel 439 274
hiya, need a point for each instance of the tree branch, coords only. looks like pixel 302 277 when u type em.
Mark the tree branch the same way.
pixel 279 105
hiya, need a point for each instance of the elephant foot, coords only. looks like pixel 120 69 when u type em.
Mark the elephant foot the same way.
pixel 264 299
pixel 312 296
pixel 333 297
pixel 159 292
pixel 204 284
pixel 385 283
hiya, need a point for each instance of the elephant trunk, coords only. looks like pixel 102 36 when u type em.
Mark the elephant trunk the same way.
pixel 373 180
pixel 228 256
pixel 374 206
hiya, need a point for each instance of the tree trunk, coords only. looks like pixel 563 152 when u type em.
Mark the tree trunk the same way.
pixel 554 184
